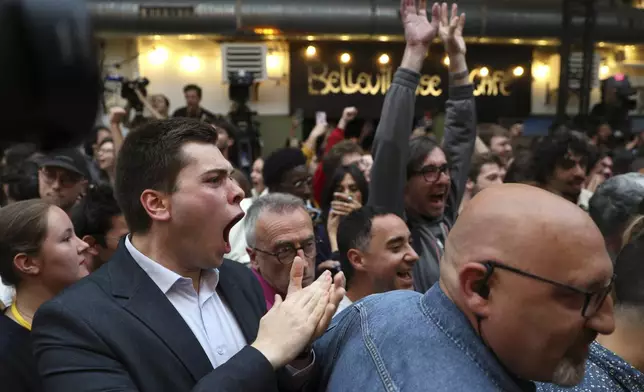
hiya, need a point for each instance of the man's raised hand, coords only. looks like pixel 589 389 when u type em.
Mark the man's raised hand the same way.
pixel 419 31
pixel 451 30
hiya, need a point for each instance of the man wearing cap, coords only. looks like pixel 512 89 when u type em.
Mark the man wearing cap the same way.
pixel 62 178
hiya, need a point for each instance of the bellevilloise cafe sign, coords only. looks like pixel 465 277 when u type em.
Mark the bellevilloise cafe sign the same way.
pixel 325 83
pixel 323 80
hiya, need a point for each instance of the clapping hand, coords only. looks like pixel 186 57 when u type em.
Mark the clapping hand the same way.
pixel 292 324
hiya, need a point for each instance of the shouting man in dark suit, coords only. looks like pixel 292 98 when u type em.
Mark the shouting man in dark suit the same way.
pixel 167 313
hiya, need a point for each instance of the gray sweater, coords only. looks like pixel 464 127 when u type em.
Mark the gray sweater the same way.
pixel 390 154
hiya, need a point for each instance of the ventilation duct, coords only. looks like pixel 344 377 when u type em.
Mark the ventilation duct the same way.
pixel 524 19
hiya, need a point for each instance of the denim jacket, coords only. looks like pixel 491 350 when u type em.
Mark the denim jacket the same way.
pixel 407 341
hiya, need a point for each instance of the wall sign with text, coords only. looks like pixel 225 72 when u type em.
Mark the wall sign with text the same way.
pixel 343 74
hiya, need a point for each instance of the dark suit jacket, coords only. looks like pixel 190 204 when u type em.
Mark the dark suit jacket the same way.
pixel 116 331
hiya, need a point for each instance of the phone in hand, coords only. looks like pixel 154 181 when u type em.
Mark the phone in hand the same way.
pixel 320 118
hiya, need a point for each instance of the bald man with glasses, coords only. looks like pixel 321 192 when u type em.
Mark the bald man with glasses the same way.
pixel 523 291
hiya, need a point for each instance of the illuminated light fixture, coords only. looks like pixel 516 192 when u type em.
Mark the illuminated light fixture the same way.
pixel 344 38
pixel 310 38
pixel 446 61
pixel 541 71
pixel 190 64
pixel 518 71
pixel 484 72
pixel 265 31
pixel 383 38
pixel 157 37
pixel 158 56
pixel 311 51
pixel 274 65
pixel 383 59
pixel 542 42
pixel 345 58
pixel 602 44
pixel 516 41
pixel 604 71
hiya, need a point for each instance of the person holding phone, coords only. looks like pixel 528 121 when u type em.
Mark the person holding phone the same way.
pixel 347 191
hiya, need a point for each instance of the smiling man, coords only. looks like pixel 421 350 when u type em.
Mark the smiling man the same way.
pixel 375 253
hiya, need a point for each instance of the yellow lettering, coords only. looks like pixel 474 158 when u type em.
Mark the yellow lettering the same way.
pixel 323 81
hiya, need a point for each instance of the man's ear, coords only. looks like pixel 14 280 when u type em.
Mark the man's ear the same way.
pixel 231 142
pixel 253 258
pixel 156 204
pixel 27 265
pixel 469 185
pixel 93 245
pixel 356 258
pixel 474 284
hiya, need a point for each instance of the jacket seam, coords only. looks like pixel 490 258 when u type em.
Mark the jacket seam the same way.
pixel 381 368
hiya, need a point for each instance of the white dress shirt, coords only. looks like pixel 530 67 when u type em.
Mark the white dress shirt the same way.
pixel 207 315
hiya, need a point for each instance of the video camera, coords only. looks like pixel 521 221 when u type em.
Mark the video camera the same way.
pixel 128 90
pixel 248 137
pixel 49 73
pixel 615 106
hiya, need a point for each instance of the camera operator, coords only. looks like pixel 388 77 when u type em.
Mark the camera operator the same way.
pixel 193 109
pixel 615 106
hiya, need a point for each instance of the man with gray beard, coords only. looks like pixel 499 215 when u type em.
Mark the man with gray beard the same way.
pixel 523 291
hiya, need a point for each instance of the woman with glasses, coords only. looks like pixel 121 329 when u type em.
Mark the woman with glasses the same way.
pixel 39 255
pixel 346 191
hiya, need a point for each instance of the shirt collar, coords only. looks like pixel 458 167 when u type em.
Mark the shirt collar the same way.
pixel 269 291
pixel 450 319
pixel 164 278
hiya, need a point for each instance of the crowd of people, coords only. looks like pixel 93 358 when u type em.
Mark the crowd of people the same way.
pixel 145 261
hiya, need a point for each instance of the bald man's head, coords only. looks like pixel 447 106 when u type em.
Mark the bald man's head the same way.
pixel 506 242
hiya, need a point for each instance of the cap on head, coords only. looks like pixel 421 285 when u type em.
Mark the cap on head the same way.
pixel 69 159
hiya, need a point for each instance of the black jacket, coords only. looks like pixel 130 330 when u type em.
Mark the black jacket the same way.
pixel 116 331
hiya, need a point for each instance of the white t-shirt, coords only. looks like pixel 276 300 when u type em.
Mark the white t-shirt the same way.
pixel 345 303
pixel 6 294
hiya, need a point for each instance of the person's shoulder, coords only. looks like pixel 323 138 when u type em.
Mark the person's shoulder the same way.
pixel 181 112
pixel 390 299
pixel 76 297
pixel 389 307
pixel 231 269
pixel 12 336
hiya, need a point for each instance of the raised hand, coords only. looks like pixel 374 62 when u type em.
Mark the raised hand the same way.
pixel 419 31
pixel 291 325
pixel 451 30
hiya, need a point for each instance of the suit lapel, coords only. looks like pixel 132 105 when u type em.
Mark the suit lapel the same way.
pixel 140 296
pixel 238 302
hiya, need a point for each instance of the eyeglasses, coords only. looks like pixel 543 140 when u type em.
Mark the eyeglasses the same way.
pixel 593 299
pixel 300 183
pixel 66 179
pixel 432 173
pixel 287 252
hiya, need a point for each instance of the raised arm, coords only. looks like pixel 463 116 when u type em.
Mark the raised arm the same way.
pixel 460 120
pixel 391 142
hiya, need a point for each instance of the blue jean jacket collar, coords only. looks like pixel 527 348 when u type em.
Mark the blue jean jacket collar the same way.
pixel 453 323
